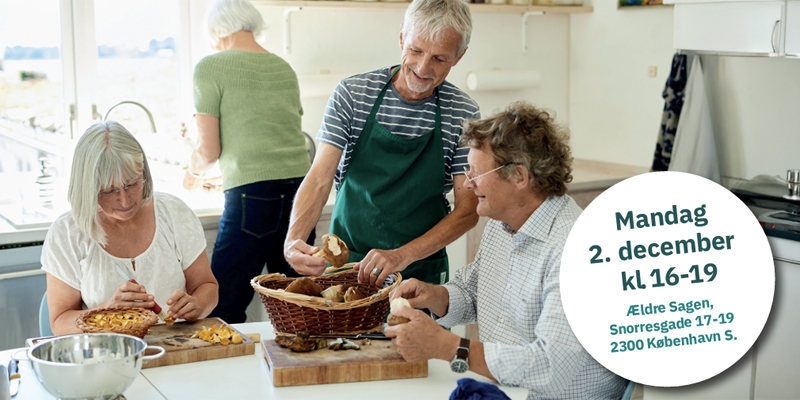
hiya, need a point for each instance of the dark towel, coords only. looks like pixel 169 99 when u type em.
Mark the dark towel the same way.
pixel 470 389
pixel 673 103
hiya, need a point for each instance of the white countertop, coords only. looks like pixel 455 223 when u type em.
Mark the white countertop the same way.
pixel 246 377
pixel 587 175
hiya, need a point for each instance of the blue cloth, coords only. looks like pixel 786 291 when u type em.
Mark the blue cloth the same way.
pixel 470 389
pixel 251 233
pixel 674 92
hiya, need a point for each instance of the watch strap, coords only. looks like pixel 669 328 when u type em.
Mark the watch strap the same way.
pixel 462 351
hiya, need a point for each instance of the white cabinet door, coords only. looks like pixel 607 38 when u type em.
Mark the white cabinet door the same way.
pixel 739 28
pixel 793 29
pixel 731 384
pixel 777 350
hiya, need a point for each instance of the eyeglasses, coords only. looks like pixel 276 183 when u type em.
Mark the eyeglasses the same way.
pixel 133 186
pixel 474 181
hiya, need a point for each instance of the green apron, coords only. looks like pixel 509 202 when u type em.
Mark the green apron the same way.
pixel 391 194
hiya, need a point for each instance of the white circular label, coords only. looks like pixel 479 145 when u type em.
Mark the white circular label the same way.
pixel 667 279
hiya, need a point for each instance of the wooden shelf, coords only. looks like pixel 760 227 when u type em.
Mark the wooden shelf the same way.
pixel 380 5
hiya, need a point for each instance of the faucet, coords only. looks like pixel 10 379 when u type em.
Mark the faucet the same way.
pixel 149 115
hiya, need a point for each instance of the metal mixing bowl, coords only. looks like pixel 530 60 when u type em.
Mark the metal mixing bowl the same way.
pixel 89 365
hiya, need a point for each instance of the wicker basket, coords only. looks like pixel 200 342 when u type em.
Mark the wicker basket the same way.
pixel 291 313
pixel 146 318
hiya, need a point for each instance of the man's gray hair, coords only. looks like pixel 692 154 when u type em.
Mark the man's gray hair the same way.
pixel 430 18
pixel 226 17
pixel 106 155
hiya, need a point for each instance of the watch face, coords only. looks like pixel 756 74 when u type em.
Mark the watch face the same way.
pixel 460 366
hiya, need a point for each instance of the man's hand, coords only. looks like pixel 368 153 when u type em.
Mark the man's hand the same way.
pixel 299 255
pixel 421 338
pixel 423 295
pixel 386 261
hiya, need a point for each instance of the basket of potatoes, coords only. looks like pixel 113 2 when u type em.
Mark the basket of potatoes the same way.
pixel 334 303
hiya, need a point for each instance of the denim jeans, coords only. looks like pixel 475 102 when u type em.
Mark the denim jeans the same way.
pixel 251 233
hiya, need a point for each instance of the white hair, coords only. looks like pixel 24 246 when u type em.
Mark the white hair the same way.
pixel 226 17
pixel 430 18
pixel 106 154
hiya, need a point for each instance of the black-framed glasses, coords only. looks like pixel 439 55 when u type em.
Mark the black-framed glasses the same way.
pixel 474 181
pixel 133 186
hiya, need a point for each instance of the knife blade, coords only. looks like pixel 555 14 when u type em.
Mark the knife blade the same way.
pixel 13 376
pixel 161 313
pixel 367 335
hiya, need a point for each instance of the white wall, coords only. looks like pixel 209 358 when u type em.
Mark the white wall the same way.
pixel 353 41
pixel 594 76
pixel 615 108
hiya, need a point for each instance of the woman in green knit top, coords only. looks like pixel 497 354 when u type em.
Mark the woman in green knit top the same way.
pixel 248 118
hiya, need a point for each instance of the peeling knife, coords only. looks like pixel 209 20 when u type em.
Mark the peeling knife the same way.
pixel 161 313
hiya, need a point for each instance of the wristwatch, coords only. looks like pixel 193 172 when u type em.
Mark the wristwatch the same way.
pixel 460 363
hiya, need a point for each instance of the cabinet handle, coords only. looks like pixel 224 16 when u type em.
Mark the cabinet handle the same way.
pixel 775 29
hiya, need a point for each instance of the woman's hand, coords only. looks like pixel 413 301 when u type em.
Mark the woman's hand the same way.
pixel 191 182
pixel 182 305
pixel 212 184
pixel 130 294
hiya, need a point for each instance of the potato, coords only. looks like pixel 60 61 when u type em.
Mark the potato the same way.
pixel 334 250
pixel 304 285
pixel 395 304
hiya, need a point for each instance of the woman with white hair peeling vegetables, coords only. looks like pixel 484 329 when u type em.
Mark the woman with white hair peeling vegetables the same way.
pixel 248 117
pixel 116 218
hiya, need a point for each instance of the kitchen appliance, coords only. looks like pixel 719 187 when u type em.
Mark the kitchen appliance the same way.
pixel 96 365
pixel 775 202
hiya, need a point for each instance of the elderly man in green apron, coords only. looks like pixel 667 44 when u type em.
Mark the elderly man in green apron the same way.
pixel 390 141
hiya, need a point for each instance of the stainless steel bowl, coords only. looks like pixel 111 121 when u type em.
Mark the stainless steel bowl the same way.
pixel 89 365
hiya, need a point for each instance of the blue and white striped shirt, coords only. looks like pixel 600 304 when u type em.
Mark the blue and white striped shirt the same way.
pixel 352 100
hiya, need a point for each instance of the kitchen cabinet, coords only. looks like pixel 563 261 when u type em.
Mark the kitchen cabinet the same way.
pixel 750 28
pixel 22 285
pixel 793 29
pixel 778 354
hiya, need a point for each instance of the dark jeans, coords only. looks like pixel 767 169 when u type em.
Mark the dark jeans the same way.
pixel 251 233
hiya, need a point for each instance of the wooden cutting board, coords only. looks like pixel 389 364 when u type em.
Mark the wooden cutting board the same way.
pixel 181 348
pixel 375 361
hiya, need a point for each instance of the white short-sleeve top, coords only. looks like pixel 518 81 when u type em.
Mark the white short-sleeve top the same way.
pixel 70 255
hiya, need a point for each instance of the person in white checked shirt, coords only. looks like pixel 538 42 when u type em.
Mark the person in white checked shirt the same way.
pixel 520 164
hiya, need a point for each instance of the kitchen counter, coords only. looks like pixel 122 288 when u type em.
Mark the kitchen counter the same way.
pixel 587 176
pixel 246 377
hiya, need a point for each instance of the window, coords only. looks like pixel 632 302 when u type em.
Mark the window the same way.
pixel 66 65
